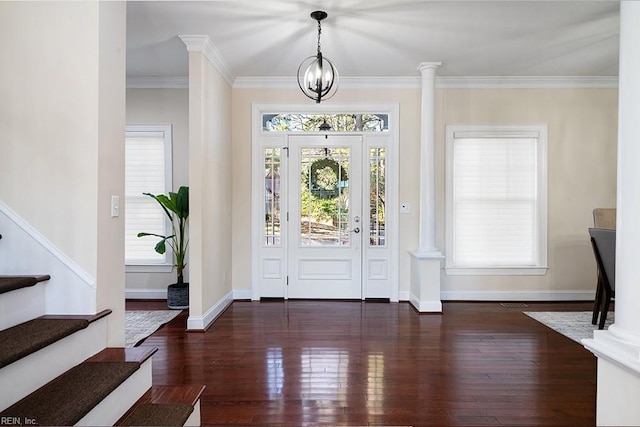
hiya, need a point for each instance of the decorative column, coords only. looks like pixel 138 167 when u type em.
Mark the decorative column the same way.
pixel 426 260
pixel 618 348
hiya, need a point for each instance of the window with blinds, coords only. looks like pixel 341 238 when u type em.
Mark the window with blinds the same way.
pixel 147 170
pixel 496 200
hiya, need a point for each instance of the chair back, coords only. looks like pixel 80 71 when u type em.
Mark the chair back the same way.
pixel 604 248
pixel 604 218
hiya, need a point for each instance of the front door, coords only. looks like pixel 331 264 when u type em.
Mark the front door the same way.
pixel 325 217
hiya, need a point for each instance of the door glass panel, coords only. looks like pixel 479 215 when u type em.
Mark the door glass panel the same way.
pixel 324 196
pixel 272 196
pixel 377 173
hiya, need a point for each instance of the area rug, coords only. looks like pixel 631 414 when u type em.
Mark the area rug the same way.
pixel 573 324
pixel 139 324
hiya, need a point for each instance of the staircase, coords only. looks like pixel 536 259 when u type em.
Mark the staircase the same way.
pixel 56 370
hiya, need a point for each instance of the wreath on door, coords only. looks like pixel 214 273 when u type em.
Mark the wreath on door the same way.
pixel 320 189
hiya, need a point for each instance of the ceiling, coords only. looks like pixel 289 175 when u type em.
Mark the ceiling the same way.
pixel 380 38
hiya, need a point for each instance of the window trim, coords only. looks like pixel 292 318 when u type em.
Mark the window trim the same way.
pixel 537 131
pixel 167 131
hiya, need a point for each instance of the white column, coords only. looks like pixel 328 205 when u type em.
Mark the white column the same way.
pixel 618 349
pixel 427 160
pixel 426 261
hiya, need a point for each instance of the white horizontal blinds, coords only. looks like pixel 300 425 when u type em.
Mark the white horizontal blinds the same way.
pixel 495 201
pixel 145 172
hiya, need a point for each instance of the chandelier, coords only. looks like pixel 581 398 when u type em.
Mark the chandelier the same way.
pixel 317 76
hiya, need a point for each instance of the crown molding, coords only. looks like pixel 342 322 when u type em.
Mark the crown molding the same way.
pixel 203 44
pixel 527 82
pixel 442 82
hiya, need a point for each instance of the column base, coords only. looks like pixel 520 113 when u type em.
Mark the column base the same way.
pixel 425 281
pixel 618 379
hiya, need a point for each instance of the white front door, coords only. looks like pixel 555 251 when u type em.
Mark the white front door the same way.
pixel 325 226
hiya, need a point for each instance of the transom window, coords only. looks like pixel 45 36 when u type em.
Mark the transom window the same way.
pixel 301 122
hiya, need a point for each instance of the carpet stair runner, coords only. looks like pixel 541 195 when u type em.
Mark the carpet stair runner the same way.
pixel 114 384
pixel 12 283
pixel 26 338
pixel 69 398
pixel 165 406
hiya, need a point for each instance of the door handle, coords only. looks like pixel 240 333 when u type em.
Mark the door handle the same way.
pixel 356 230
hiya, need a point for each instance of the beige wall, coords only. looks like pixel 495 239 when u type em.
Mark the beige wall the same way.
pixel 582 149
pixel 49 113
pixel 162 106
pixel 582 155
pixel 61 125
pixel 210 177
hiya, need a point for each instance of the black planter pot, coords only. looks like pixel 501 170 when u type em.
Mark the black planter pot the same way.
pixel 178 296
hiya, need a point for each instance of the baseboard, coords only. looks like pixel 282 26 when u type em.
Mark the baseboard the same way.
pixel 425 306
pixel 242 294
pixel 403 296
pixel 201 323
pixel 517 296
pixel 145 294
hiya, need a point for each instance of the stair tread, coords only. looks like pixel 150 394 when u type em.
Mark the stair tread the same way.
pixel 155 400
pixel 121 354
pixel 12 283
pixel 68 398
pixel 158 414
pixel 178 393
pixel 28 337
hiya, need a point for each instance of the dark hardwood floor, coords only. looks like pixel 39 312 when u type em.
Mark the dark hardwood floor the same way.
pixel 352 363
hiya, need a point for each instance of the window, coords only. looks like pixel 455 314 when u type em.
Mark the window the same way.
pixel 147 170
pixel 496 221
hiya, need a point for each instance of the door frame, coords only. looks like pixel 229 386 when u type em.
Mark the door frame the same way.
pixel 257 183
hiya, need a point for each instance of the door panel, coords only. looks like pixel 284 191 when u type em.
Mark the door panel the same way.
pixel 325 211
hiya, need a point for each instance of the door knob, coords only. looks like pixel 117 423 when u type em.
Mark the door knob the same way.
pixel 356 230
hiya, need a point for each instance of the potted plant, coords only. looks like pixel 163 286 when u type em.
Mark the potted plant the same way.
pixel 176 206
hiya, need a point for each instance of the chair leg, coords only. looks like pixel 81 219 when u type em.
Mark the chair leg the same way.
pixel 605 308
pixel 597 303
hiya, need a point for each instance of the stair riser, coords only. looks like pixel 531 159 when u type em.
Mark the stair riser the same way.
pixel 21 305
pixel 194 418
pixel 32 372
pixel 114 406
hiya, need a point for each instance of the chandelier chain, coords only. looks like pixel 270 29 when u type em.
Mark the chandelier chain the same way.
pixel 319 32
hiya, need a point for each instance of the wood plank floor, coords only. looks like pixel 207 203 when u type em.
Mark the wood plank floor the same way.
pixel 352 363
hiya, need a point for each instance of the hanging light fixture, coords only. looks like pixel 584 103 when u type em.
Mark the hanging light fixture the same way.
pixel 317 76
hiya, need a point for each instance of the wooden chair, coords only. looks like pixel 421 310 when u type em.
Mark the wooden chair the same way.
pixel 602 218
pixel 603 242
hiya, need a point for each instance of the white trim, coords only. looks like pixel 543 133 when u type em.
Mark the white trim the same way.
pixel 145 294
pixel 393 109
pixel 537 271
pixel 517 295
pixel 148 268
pixel 425 306
pixel 240 294
pixel 527 82
pixel 200 323
pixel 401 82
pixel 403 296
pixel 203 44
pixel 50 247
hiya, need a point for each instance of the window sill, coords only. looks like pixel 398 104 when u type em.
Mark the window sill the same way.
pixel 148 268
pixel 511 271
